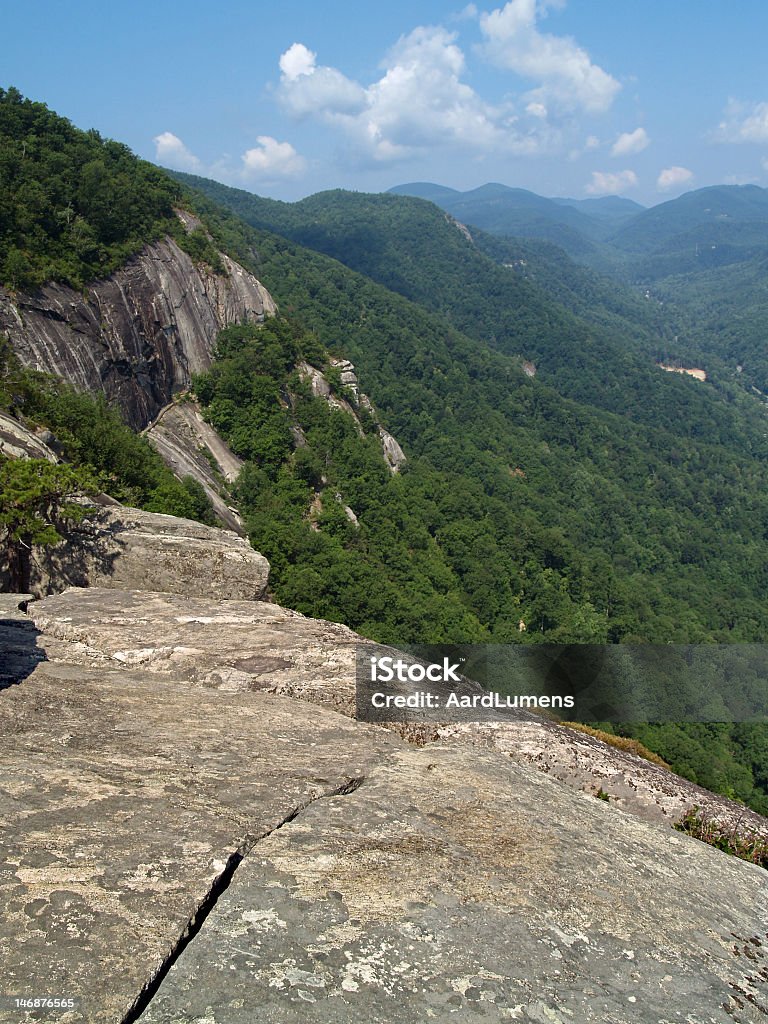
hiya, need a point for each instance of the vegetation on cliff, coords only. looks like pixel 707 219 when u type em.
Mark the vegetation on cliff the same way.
pixel 92 436
pixel 36 498
pixel 75 206
pixel 599 501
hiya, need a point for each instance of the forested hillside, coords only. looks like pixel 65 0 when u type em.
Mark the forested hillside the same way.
pixel 597 501
pixel 591 339
pixel 640 510
pixel 74 206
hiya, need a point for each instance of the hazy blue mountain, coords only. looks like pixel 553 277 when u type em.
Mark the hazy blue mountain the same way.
pixel 502 210
pixel 616 209
pixel 734 213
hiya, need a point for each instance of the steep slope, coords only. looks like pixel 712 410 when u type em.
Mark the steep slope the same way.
pixel 426 377
pixel 521 513
pixel 592 340
pixel 138 335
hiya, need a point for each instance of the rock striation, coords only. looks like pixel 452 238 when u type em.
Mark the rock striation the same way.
pixel 184 846
pixel 191 447
pixel 139 335
pixel 119 547
pixel 18 442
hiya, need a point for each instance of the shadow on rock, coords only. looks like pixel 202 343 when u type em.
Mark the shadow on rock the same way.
pixel 90 548
pixel 19 653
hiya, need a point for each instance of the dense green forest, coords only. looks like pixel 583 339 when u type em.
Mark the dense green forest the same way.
pixel 598 501
pixel 646 509
pixel 74 206
pixel 469 417
pixel 419 564
pixel 591 339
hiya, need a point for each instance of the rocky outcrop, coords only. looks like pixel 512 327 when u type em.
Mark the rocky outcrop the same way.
pixel 191 447
pixel 393 454
pixel 124 548
pixel 18 442
pixel 236 645
pixel 182 847
pixel 139 335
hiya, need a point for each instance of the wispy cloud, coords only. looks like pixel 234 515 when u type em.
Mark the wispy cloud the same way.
pixel 170 151
pixel 610 183
pixel 630 142
pixel 566 76
pixel 271 159
pixel 743 123
pixel 268 161
pixel 673 177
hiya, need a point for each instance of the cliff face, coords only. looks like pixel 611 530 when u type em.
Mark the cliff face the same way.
pixel 191 447
pixel 139 335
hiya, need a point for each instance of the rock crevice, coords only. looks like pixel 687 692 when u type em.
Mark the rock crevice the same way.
pixel 219 886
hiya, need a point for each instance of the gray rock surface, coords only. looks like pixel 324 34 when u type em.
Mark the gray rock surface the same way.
pixel 195 642
pixel 453 885
pixel 187 842
pixel 236 645
pixel 123 799
pixel 120 547
pixel 140 334
pixel 587 763
pixel 191 447
pixel 18 442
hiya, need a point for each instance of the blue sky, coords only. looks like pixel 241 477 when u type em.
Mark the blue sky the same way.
pixel 644 98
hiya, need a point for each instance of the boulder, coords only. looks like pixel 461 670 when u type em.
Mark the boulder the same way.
pixel 125 548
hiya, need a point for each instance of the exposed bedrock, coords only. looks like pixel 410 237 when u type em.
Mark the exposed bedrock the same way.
pixel 138 335
pixel 124 548
pixel 191 447
pixel 184 848
pixel 239 645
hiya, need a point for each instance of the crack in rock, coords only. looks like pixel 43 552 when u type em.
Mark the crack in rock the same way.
pixel 219 886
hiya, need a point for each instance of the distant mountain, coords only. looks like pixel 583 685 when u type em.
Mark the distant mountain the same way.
pixel 734 213
pixel 610 208
pixel 699 230
pixel 502 210
pixel 588 498
pixel 594 340
pixel 426 190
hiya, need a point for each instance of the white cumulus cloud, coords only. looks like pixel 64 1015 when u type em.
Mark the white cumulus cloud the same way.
pixel 630 142
pixel 422 98
pixel 297 60
pixel 271 159
pixel 607 183
pixel 563 70
pixel 673 177
pixel 308 89
pixel 419 101
pixel 170 151
pixel 743 123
